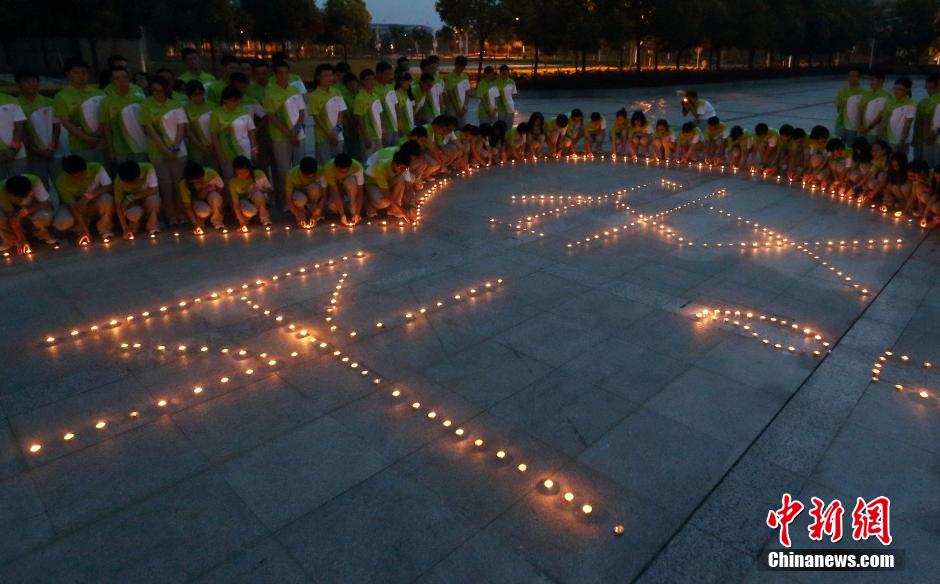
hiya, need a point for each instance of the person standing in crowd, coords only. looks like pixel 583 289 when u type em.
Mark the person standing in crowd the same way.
pixel 848 101
pixel 198 135
pixel 506 103
pixel 488 94
pixel 457 91
pixel 42 127
pixel 194 68
pixel 898 116
pixel 286 111
pixel 12 134
pixel 368 113
pixel 327 106
pixel 232 131
pixel 873 103
pixel 77 106
pixel 166 126
pixel 120 120
pixel 404 105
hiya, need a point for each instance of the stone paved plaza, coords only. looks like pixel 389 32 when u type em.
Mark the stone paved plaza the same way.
pixel 162 461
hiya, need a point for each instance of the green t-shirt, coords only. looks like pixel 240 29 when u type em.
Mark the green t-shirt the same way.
pixel 195 113
pixel 112 110
pixel 743 141
pixel 503 104
pixel 29 108
pixel 380 173
pixel 693 137
pixel 405 110
pixel 922 120
pixel 67 105
pixel 487 104
pixel 514 138
pixel 620 126
pixel 321 103
pixel 38 194
pixel 152 115
pixel 273 102
pixel 110 90
pixel 452 86
pixel 598 128
pixel 347 94
pixel 770 138
pixel 298 181
pixel 842 99
pixel 363 110
pixel 719 132
pixel 256 90
pixel 128 189
pixel 202 77
pixel 241 188
pixel 552 127
pixel 211 178
pixel 333 177
pixel 231 127
pixel 72 186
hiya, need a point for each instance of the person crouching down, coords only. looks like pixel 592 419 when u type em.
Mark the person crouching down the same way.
pixel 135 196
pixel 304 189
pixel 24 198
pixel 248 188
pixel 85 192
pixel 387 181
pixel 201 195
pixel 344 178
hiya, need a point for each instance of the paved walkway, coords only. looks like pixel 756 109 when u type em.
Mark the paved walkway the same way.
pixel 586 364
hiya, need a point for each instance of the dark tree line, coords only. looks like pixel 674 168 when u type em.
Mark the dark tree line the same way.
pixel 812 31
pixel 338 22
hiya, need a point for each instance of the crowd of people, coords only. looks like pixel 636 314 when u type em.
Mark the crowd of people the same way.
pixel 161 150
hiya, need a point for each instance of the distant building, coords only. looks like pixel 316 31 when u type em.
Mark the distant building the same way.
pixel 389 28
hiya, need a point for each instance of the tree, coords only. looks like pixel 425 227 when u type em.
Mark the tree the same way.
pixel 584 29
pixel 483 17
pixel 540 24
pixel 175 21
pixel 916 24
pixel 615 18
pixel 283 21
pixel 346 23
pixel 678 26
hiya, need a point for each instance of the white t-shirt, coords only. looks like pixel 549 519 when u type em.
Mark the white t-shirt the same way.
pixel 10 114
pixel 101 180
pixel 851 111
pixel 705 109
pixel 171 121
pixel 150 180
pixel 899 117
pixel 873 108
pixel 241 126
